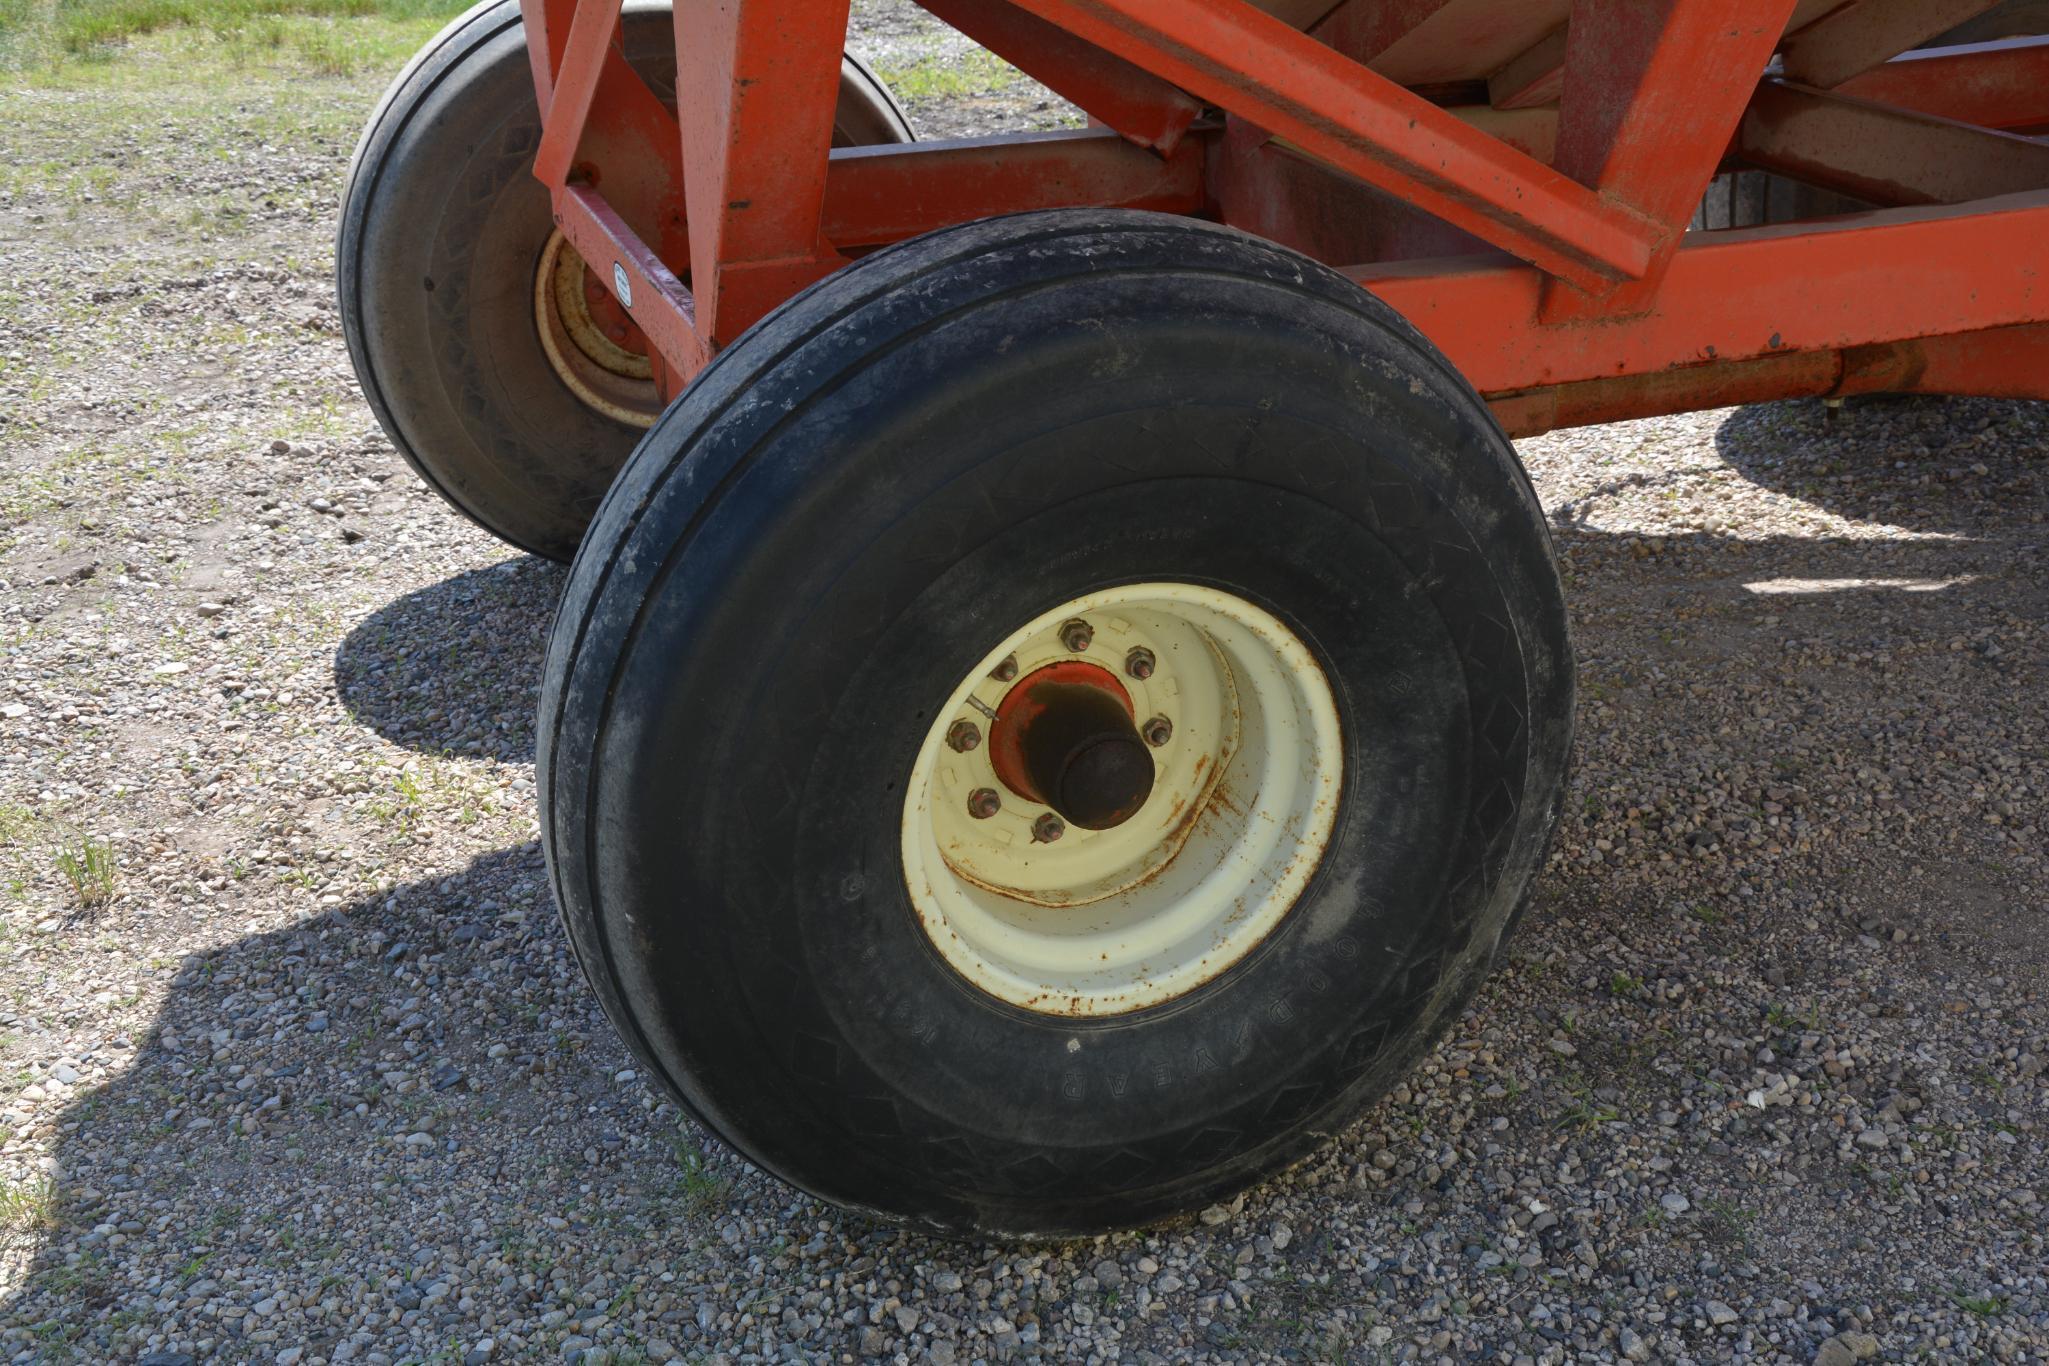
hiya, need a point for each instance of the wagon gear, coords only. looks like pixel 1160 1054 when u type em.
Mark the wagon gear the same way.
pixel 1071 692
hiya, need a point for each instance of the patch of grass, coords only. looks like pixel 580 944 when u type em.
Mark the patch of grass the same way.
pixel 402 808
pixel 1622 984
pixel 327 37
pixel 1585 1116
pixel 28 1206
pixel 18 24
pixel 1985 1306
pixel 950 76
pixel 1788 1021
pixel 1585 1112
pixel 701 1190
pixel 17 824
pixel 86 24
pixel 88 865
pixel 1727 1222
pixel 324 50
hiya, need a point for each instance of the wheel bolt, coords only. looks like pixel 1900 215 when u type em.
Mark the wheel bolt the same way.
pixel 1077 636
pixel 1157 731
pixel 1139 663
pixel 963 736
pixel 1048 828
pixel 984 803
pixel 1005 670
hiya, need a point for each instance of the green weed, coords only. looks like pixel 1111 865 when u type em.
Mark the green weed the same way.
pixel 88 865
pixel 699 1188
pixel 327 37
pixel 28 1206
pixel 950 76
pixel 17 824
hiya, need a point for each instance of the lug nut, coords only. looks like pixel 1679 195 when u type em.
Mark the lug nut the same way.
pixel 1077 636
pixel 984 803
pixel 1139 663
pixel 1157 731
pixel 1048 828
pixel 963 736
pixel 1005 670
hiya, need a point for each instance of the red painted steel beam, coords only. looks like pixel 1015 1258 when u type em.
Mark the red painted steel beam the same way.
pixel 1534 131
pixel 2003 362
pixel 1108 89
pixel 592 33
pixel 884 194
pixel 1993 85
pixel 1302 14
pixel 1535 77
pixel 597 111
pixel 1883 154
pixel 761 83
pixel 1364 29
pixel 2006 362
pixel 546 24
pixel 1864 33
pixel 659 304
pixel 1730 296
pixel 1361 124
pixel 1996 85
pixel 1653 93
pixel 1428 42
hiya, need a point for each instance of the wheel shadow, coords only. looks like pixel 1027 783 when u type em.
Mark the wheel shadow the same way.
pixel 1949 451
pixel 454 668
pixel 377 1063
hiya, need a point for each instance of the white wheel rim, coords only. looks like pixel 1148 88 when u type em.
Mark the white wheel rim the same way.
pixel 1101 922
pixel 604 376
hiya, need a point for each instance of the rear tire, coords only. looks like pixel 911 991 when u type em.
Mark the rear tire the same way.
pixel 848 524
pixel 443 229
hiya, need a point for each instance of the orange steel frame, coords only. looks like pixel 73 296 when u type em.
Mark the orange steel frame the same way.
pixel 1531 220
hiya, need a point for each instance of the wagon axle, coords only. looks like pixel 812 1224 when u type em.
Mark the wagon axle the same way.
pixel 1064 738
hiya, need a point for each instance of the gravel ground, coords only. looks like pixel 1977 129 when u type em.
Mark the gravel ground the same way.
pixel 295 1065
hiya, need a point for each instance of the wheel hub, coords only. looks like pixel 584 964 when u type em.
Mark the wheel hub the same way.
pixel 1158 781
pixel 1065 737
pixel 593 344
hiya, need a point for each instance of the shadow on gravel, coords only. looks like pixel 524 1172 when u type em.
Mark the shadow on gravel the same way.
pixel 1944 459
pixel 357 1107
pixel 453 668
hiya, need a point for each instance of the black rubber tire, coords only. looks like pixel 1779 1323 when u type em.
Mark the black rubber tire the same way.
pixel 870 489
pixel 442 229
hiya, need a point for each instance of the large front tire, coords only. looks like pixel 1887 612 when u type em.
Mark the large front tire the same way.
pixel 915 485
pixel 468 329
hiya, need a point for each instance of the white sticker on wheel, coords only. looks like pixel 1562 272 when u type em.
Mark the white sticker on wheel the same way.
pixel 622 286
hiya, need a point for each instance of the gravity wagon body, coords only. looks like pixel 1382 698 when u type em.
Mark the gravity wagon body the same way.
pixel 1063 688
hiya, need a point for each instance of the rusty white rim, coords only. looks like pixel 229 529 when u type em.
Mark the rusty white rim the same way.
pixel 606 376
pixel 1101 922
